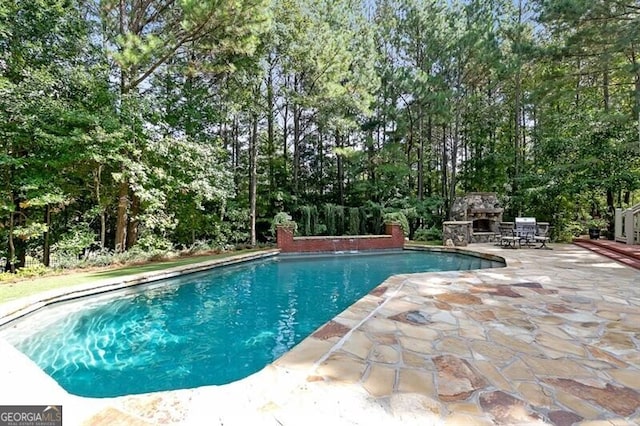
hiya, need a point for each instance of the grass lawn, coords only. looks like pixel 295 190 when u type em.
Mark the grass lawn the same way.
pixel 426 243
pixel 15 290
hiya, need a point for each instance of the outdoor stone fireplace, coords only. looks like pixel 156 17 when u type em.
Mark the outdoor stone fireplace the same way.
pixel 484 212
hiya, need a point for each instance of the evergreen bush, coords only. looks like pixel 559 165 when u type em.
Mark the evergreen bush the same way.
pixel 330 218
pixel 428 234
pixel 340 222
pixel 354 221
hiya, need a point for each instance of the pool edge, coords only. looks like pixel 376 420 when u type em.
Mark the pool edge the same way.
pixel 14 309
pixel 284 363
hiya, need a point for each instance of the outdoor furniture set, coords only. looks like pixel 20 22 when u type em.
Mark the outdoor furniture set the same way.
pixel 525 232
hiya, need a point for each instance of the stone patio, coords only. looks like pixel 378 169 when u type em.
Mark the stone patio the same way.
pixel 553 339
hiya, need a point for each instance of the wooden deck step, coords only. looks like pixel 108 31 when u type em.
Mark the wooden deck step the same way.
pixel 623 253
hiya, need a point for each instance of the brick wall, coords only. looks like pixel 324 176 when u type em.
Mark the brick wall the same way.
pixel 287 243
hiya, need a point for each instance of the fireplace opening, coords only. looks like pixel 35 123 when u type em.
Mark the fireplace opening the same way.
pixel 482 225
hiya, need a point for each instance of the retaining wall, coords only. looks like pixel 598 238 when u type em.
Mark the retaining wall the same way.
pixel 287 243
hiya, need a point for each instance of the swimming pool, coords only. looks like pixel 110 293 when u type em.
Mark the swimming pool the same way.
pixel 207 328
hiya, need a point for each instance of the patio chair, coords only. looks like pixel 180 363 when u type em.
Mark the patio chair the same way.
pixel 525 230
pixel 506 236
pixel 542 236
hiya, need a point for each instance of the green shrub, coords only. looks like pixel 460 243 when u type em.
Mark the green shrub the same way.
pixel 283 218
pixel 376 217
pixel 428 234
pixel 566 232
pixel 103 257
pixel 363 220
pixel 340 228
pixel 74 241
pixel 330 218
pixel 33 271
pixel 200 246
pixel 354 221
pixel 398 217
pixel 25 273
pixel 151 243
pixel 309 220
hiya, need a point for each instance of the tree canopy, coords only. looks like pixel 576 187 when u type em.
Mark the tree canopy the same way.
pixel 145 125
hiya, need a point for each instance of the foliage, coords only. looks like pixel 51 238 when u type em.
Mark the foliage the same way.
pixel 25 273
pixel 199 123
pixel 309 220
pixel 330 219
pixel 354 221
pixel 340 220
pixel 283 219
pixel 375 216
pixel 151 243
pixel 398 217
pixel 428 234
pixel 597 223
pixel 31 230
pixel 566 232
pixel 73 242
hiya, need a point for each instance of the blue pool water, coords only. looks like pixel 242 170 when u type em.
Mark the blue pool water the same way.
pixel 208 328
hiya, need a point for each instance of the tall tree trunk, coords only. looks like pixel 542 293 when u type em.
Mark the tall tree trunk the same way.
pixel 17 247
pixel 97 182
pixel 10 264
pixel 122 217
pixel 420 64
pixel 320 162
pixel 46 244
pixel 340 169
pixel 409 148
pixel 637 87
pixel 235 135
pixel 224 132
pixel 270 130
pixel 430 140
pixel 578 84
pixel 253 176
pixel 636 107
pixel 420 157
pixel 285 130
pixel 103 228
pixel 134 222
pixel 454 157
pixel 123 189
pixel 371 168
pixel 443 167
pixel 516 134
pixel 517 144
pixel 605 87
pixel 296 140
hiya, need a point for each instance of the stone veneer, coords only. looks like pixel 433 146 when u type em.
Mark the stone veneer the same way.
pixel 287 243
pixel 456 233
pixel 483 210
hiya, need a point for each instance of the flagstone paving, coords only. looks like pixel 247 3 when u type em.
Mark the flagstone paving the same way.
pixel 552 339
